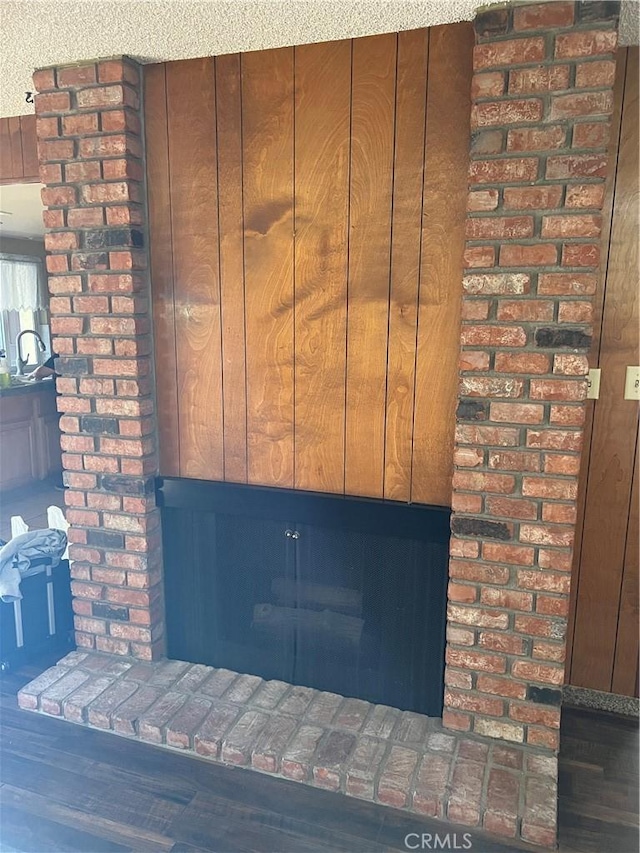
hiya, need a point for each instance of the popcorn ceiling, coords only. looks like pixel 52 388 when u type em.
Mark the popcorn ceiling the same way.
pixel 37 33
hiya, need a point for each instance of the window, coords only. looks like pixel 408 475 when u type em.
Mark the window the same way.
pixel 22 307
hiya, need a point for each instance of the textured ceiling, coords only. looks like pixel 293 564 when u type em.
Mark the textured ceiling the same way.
pixel 35 33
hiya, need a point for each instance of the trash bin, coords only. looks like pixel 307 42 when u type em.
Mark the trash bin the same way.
pixel 39 618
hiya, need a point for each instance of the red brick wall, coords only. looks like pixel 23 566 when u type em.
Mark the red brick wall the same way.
pixel 91 161
pixel 542 98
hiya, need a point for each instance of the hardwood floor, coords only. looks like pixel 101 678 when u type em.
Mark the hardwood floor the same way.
pixel 63 787
pixel 598 783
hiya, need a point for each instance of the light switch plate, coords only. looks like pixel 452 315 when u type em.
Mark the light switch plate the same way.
pixel 632 383
pixel 593 384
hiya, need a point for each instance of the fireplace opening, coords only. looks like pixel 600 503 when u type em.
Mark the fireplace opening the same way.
pixel 341 594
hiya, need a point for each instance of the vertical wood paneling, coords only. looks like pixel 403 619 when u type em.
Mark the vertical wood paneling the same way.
pixel 15 143
pixel 164 320
pixel 322 119
pixel 608 495
pixel 445 182
pixel 6 158
pixel 18 149
pixel 411 90
pixel 625 666
pixel 229 123
pixel 372 138
pixel 267 118
pixel 306 262
pixel 30 166
pixel 594 352
pixel 192 164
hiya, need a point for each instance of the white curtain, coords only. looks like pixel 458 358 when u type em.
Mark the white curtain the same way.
pixel 20 288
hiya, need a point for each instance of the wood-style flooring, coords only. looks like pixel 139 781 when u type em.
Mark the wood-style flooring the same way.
pixel 63 787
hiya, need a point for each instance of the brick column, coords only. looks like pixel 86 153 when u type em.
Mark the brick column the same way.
pixel 542 98
pixel 91 162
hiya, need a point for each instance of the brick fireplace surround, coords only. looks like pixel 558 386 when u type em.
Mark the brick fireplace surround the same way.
pixel 541 104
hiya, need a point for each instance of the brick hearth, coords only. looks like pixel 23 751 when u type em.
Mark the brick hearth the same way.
pixel 373 752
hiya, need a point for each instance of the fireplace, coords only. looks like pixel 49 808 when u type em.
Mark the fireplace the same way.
pixel 340 594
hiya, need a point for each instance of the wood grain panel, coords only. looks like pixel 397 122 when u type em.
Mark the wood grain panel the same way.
pixel 229 124
pixel 322 119
pixel 15 146
pixel 6 160
pixel 594 352
pixel 305 252
pixel 371 190
pixel 30 167
pixel 447 144
pixel 18 150
pixel 267 116
pixel 614 425
pixel 411 92
pixel 161 250
pixel 194 218
pixel 625 667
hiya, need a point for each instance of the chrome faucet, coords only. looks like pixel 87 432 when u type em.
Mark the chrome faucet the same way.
pixel 21 363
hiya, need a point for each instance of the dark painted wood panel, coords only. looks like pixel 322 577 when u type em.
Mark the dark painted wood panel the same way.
pixel 322 137
pixel 447 142
pixel 608 504
pixel 371 190
pixel 194 222
pixel 408 178
pixel 164 320
pixel 267 121
pixel 229 125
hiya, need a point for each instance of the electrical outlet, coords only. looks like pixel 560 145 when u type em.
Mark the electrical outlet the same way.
pixel 593 384
pixel 632 384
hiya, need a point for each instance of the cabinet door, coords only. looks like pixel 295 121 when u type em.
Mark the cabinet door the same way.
pixel 17 454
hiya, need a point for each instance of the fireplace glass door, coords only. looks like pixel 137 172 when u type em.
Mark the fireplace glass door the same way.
pixel 309 589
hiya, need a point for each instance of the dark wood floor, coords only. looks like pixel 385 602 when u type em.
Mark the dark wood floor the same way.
pixel 63 787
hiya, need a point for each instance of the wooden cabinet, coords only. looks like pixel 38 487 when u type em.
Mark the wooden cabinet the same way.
pixel 29 436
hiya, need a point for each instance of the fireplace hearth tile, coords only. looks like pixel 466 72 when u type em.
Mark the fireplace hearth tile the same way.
pixel 396 758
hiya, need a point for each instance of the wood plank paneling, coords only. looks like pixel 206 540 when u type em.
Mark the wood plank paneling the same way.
pixel 610 473
pixel 625 666
pixel 229 123
pixel 322 131
pixel 307 260
pixel 15 146
pixel 594 352
pixel 371 190
pixel 164 320
pixel 192 164
pixel 18 150
pixel 447 142
pixel 408 178
pixel 30 167
pixel 267 118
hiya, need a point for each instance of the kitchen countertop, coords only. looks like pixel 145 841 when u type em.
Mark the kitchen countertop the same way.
pixel 18 387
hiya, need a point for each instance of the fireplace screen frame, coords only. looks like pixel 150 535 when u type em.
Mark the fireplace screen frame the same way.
pixel 192 632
